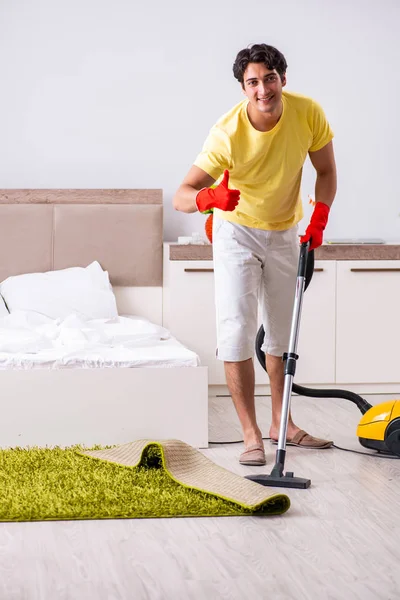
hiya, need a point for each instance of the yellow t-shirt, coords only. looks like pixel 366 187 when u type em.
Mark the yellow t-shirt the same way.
pixel 266 166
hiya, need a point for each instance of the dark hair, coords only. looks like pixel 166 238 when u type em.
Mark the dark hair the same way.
pixel 259 53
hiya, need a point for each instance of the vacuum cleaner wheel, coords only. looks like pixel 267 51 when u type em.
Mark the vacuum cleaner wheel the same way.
pixel 392 436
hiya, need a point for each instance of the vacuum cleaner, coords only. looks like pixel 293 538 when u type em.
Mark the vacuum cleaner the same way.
pixel 379 427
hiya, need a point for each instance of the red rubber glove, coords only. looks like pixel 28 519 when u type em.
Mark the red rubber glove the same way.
pixel 315 230
pixel 219 197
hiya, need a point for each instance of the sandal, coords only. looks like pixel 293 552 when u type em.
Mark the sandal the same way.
pixel 304 440
pixel 253 455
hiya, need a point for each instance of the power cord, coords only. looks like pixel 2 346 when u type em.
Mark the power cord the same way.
pixel 235 441
pixel 377 455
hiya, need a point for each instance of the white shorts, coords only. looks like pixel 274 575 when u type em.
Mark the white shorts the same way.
pixel 253 268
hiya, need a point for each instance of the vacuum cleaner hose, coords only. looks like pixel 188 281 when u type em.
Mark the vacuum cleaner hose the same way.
pixel 362 404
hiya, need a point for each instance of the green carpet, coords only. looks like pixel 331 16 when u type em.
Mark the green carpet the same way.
pixel 39 484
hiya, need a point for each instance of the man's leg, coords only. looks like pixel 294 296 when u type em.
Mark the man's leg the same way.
pixel 275 370
pixel 279 280
pixel 237 276
pixel 240 381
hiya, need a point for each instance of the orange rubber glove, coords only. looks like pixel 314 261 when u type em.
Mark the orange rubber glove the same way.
pixel 315 230
pixel 220 197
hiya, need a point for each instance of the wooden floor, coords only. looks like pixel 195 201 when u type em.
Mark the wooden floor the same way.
pixel 340 539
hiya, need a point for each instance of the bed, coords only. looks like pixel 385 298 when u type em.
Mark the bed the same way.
pixel 154 388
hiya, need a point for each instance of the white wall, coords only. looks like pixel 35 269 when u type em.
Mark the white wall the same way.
pixel 121 94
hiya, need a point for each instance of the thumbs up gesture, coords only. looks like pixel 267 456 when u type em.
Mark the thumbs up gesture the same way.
pixel 220 197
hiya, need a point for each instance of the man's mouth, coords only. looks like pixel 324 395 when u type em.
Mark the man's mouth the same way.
pixel 265 98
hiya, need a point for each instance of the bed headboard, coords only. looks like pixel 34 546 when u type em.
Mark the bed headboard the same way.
pixel 43 230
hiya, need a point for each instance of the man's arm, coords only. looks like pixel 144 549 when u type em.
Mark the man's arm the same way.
pixel 185 197
pixel 325 190
pixel 324 163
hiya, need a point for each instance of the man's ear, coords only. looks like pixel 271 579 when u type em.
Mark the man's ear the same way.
pixel 283 79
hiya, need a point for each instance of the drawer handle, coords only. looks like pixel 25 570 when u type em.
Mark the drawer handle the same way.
pixel 376 270
pixel 199 270
pixel 318 270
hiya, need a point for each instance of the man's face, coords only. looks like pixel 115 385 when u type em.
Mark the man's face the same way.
pixel 263 87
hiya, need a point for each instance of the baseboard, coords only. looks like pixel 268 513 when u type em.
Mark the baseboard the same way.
pixel 358 388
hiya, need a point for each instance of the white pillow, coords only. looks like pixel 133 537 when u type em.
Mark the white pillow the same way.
pixel 3 308
pixel 57 294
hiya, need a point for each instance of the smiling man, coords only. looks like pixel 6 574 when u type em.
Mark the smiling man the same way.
pixel 259 148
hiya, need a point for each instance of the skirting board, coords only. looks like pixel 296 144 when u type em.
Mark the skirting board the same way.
pixel 357 388
pixel 103 406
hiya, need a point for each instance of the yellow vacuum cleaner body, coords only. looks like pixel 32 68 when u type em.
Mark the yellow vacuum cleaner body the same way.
pixel 379 428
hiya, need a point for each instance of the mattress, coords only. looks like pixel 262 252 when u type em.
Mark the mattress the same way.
pixel 29 340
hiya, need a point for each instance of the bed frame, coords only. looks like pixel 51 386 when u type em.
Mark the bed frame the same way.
pixel 43 230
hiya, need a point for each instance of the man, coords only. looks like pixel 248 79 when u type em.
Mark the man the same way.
pixel 259 148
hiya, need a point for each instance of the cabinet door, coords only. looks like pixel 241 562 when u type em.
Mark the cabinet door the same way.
pixel 368 322
pixel 316 342
pixel 189 311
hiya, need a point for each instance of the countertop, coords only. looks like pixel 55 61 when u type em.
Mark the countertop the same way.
pixel 389 251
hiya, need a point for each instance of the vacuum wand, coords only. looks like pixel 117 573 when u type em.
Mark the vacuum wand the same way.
pixel 277 478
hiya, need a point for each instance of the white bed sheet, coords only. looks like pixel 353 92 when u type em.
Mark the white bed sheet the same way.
pixel 29 340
